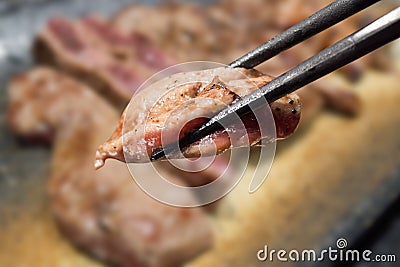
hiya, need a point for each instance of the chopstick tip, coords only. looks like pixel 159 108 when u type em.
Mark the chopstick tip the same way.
pixel 157 154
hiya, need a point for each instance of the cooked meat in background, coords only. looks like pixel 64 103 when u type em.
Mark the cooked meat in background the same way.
pixel 103 211
pixel 226 30
pixel 116 57
pixel 90 49
pixel 223 31
pixel 179 103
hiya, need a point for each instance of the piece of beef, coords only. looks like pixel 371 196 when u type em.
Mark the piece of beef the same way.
pixel 179 103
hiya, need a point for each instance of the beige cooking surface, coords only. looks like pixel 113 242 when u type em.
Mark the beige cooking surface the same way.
pixel 318 179
pixel 317 182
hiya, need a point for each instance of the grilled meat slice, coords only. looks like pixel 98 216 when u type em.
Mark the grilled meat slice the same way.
pixel 161 112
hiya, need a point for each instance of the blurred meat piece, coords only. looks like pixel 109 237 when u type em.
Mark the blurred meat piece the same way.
pixel 181 30
pixel 178 104
pixel 229 28
pixel 139 19
pixel 103 212
pixel 116 57
pixel 93 51
pixel 226 30
pixel 134 49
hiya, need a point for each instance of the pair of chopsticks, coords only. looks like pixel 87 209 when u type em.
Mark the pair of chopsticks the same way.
pixel 354 46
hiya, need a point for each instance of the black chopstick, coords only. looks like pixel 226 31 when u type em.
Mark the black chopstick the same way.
pixel 316 23
pixel 354 46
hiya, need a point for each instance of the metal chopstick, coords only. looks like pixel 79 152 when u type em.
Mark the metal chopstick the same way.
pixel 354 46
pixel 317 22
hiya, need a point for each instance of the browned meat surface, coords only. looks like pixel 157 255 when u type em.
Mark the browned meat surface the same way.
pixel 103 211
pixel 165 111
